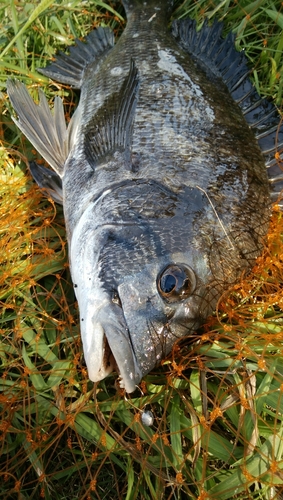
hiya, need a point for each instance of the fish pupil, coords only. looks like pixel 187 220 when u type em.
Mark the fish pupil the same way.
pixel 176 282
pixel 168 283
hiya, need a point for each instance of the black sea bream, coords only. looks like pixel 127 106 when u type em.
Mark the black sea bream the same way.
pixel 163 179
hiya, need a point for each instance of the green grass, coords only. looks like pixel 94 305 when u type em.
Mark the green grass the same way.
pixel 217 401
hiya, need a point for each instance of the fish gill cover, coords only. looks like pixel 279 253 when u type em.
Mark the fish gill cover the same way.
pixel 215 406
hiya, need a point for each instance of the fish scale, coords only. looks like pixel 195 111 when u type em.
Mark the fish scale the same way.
pixel 141 241
pixel 163 176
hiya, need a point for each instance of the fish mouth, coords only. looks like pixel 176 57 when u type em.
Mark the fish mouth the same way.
pixel 108 362
pixel 108 347
pixel 121 356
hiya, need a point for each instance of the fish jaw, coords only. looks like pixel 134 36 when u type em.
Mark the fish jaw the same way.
pixel 96 352
pixel 106 342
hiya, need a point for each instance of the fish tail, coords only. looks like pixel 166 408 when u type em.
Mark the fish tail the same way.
pixel 47 132
pixel 164 5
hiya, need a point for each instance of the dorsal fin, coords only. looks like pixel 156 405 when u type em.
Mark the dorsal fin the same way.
pixel 219 56
pixel 70 68
pixel 110 128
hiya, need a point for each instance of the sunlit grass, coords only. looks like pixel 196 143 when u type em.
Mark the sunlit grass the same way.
pixel 216 402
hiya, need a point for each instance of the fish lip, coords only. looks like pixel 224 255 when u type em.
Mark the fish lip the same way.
pixel 108 346
pixel 123 354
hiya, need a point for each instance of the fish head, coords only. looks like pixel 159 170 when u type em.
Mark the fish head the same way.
pixel 141 279
pixel 162 303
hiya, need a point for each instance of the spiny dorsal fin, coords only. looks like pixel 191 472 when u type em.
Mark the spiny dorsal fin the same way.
pixel 47 132
pixel 70 68
pixel 48 180
pixel 110 128
pixel 220 57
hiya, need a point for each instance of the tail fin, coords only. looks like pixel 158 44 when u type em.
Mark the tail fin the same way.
pixel 47 132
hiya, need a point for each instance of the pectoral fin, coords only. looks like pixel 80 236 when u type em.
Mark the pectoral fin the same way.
pixel 110 129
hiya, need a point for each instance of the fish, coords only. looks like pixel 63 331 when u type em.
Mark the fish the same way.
pixel 166 171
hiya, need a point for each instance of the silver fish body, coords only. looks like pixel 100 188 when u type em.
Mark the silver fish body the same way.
pixel 165 191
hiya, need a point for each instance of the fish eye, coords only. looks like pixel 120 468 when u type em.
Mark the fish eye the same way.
pixel 176 282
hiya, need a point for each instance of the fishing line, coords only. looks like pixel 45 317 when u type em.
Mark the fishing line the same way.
pixel 217 216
